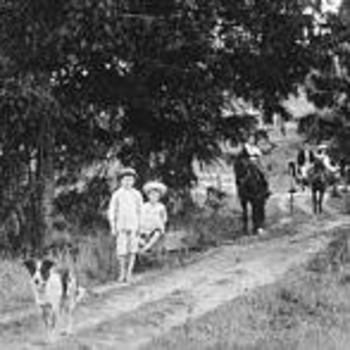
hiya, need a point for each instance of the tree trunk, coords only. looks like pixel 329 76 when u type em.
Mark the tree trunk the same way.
pixel 48 179
pixel 42 190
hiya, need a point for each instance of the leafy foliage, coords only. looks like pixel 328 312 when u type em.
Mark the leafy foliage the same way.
pixel 145 79
pixel 328 85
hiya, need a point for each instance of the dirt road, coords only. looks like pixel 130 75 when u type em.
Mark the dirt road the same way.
pixel 130 317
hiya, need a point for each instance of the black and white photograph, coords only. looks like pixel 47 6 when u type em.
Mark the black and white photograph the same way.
pixel 174 174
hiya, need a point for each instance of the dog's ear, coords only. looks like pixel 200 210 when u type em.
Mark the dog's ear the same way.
pixel 30 264
pixel 45 267
pixel 47 264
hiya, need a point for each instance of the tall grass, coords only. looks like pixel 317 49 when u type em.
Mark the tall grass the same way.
pixel 15 290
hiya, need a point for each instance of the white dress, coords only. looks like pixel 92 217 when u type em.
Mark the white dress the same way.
pixel 153 220
pixel 153 217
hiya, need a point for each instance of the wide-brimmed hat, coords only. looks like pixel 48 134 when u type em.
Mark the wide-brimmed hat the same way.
pixel 321 148
pixel 155 186
pixel 127 172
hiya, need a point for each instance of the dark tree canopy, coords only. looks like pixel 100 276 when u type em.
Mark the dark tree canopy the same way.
pixel 144 78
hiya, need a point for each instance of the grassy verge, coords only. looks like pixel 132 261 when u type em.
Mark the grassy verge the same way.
pixel 15 291
pixel 96 262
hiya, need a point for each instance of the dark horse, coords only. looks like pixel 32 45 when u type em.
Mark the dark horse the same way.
pixel 318 181
pixel 252 189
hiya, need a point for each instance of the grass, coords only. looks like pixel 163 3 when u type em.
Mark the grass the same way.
pixel 15 291
pixel 341 204
pixel 308 309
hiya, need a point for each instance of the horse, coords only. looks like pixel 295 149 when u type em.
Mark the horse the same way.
pixel 252 189
pixel 304 161
pixel 318 180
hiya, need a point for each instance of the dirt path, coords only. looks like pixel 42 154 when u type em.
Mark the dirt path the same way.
pixel 130 317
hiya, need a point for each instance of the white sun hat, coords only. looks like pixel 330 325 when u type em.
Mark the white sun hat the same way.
pixel 155 186
pixel 127 172
pixel 322 146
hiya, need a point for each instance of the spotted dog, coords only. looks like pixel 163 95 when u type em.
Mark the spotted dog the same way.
pixel 56 292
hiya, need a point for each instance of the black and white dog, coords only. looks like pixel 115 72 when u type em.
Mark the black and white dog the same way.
pixel 56 292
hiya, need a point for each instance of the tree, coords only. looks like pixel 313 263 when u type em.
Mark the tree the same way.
pixel 145 78
pixel 328 84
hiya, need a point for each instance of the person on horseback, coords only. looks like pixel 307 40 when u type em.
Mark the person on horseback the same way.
pixel 252 151
pixel 322 155
pixel 332 170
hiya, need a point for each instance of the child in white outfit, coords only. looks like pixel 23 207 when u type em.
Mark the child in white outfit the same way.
pixel 124 216
pixel 153 216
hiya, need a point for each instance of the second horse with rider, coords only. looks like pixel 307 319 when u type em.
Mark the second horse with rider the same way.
pixel 254 153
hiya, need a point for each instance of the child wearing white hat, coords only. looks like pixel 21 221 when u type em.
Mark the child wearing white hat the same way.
pixel 153 216
pixel 124 217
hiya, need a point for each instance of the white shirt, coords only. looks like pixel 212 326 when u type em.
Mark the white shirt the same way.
pixel 125 210
pixel 153 216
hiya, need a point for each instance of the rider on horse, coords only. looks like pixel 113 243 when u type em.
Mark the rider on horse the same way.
pixel 252 151
pixel 322 155
pixel 332 170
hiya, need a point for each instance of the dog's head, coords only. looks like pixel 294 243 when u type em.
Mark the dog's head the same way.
pixel 39 271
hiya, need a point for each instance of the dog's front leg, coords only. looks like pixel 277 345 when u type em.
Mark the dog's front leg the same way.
pixel 49 319
pixel 69 329
pixel 66 318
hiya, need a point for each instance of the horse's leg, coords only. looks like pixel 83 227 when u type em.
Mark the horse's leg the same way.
pixel 320 201
pixel 304 184
pixel 314 200
pixel 335 192
pixel 258 216
pixel 254 218
pixel 263 213
pixel 244 205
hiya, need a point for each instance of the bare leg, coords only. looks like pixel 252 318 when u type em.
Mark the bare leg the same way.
pixel 131 264
pixel 122 268
pixel 157 234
